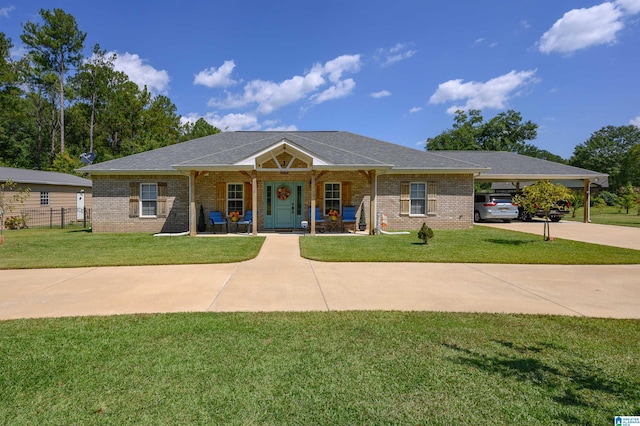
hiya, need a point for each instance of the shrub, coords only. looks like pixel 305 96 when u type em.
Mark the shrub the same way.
pixel 425 233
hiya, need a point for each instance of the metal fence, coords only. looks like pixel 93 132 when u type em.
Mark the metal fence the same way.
pixel 59 217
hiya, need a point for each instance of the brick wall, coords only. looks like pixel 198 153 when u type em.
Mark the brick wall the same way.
pixel 454 199
pixel 111 205
pixel 111 199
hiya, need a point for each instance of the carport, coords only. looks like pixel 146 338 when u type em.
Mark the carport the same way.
pixel 518 169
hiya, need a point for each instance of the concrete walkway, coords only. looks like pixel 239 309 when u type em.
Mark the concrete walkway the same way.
pixel 278 279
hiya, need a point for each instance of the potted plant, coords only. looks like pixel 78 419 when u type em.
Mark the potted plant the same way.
pixel 235 215
pixel 202 226
pixel 333 214
pixel 362 222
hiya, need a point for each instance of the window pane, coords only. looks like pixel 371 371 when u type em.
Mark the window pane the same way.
pixel 149 208
pixel 418 206
pixel 418 190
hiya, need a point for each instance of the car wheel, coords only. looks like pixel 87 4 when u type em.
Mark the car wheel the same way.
pixel 555 218
pixel 476 216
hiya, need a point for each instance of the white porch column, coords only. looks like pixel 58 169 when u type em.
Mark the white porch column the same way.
pixel 587 201
pixel 312 212
pixel 372 202
pixel 192 203
pixel 254 203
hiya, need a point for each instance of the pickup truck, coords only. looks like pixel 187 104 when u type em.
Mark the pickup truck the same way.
pixel 556 213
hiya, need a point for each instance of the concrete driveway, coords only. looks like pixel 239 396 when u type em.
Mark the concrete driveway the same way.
pixel 267 283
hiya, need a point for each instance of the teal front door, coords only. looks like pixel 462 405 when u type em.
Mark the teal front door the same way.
pixel 283 205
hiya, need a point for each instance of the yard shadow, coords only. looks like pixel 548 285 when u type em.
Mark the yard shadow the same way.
pixel 503 241
pixel 570 384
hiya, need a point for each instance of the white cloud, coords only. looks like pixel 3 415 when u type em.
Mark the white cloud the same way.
pixel 5 11
pixel 270 96
pixel 635 121
pixel 582 28
pixel 339 90
pixel 235 122
pixel 397 53
pixel 493 93
pixel 141 73
pixel 212 77
pixel 380 94
pixel 415 109
pixel 630 6
pixel 478 41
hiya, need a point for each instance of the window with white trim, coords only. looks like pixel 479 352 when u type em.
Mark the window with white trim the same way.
pixel 418 198
pixel 332 197
pixel 235 198
pixel 148 199
pixel 44 198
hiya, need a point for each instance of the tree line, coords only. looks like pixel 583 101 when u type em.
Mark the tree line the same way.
pixel 614 150
pixel 56 103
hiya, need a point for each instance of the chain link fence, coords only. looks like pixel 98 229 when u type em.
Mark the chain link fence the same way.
pixel 59 217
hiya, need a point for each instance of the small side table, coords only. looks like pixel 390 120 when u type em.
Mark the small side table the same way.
pixel 334 225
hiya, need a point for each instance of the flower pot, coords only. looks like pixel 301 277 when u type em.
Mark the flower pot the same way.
pixel 334 218
pixel 234 219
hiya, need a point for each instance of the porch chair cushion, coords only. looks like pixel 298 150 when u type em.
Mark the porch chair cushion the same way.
pixel 349 217
pixel 215 218
pixel 320 225
pixel 247 220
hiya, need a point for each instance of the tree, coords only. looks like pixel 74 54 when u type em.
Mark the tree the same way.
pixel 425 233
pixel 9 201
pixel 91 84
pixel 199 129
pixel 628 197
pixel 542 196
pixel 56 46
pixel 610 150
pixel 504 132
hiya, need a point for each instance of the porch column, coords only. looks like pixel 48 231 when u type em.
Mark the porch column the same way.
pixel 312 214
pixel 192 203
pixel 254 203
pixel 372 202
pixel 587 201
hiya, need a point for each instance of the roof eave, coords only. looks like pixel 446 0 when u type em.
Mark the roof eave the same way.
pixel 523 177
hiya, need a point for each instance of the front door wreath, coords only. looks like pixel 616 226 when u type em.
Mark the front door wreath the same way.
pixel 283 193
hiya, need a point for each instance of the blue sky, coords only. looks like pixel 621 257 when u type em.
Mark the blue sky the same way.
pixel 395 71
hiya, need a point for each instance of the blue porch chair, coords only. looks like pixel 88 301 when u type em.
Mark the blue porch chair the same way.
pixel 320 224
pixel 349 217
pixel 215 218
pixel 247 220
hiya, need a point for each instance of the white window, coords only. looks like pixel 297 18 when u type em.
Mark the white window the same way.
pixel 44 198
pixel 332 197
pixel 148 199
pixel 418 197
pixel 235 198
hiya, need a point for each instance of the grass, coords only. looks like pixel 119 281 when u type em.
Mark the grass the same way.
pixel 46 248
pixel 609 215
pixel 319 368
pixel 478 245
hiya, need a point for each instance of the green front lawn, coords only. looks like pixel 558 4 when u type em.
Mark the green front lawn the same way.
pixel 478 245
pixel 47 248
pixel 609 215
pixel 319 368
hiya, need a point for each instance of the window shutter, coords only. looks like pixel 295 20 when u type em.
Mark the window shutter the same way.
pixel 346 194
pixel 134 199
pixel 221 196
pixel 162 199
pixel 248 196
pixel 431 198
pixel 405 197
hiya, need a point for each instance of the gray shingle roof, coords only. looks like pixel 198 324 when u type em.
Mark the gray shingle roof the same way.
pixel 508 165
pixel 42 177
pixel 229 148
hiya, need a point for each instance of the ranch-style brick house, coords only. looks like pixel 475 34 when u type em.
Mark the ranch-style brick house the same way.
pixel 281 176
